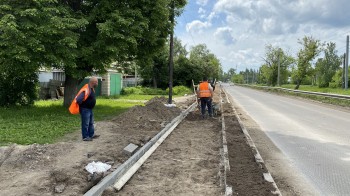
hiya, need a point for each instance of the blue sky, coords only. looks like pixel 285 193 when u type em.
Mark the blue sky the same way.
pixel 237 31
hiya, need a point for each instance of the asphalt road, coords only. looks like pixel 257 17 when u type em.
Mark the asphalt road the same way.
pixel 314 137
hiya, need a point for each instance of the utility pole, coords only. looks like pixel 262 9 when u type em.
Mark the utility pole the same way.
pixel 135 76
pixel 343 74
pixel 279 65
pixel 171 55
pixel 347 63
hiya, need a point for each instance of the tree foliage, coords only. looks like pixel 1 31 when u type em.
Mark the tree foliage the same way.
pixel 80 37
pixel 269 71
pixel 33 34
pixel 201 62
pixel 227 76
pixel 326 67
pixel 208 64
pixel 310 49
pixel 121 31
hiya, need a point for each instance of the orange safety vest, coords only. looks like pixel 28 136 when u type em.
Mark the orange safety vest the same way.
pixel 74 106
pixel 204 90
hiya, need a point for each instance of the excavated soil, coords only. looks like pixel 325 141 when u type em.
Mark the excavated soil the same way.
pixel 187 163
pixel 245 173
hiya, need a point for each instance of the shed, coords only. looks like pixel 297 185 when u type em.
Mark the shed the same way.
pixel 112 83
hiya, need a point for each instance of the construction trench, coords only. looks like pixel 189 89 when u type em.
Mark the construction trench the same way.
pixel 199 157
pixel 191 156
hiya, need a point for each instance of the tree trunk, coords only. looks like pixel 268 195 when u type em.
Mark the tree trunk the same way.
pixel 154 82
pixel 70 90
pixel 298 84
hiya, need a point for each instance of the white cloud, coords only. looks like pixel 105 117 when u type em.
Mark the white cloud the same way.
pixel 201 11
pixel 197 26
pixel 211 16
pixel 225 35
pixel 202 2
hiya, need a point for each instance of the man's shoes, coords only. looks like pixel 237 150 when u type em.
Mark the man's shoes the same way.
pixel 87 139
pixel 95 136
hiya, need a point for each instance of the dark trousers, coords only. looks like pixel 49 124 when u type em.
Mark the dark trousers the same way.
pixel 87 122
pixel 206 102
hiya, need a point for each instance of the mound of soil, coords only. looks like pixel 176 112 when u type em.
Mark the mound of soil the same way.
pixel 153 116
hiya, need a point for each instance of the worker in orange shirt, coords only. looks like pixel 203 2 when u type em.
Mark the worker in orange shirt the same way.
pixel 205 94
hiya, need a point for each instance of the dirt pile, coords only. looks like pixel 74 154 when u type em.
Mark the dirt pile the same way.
pixel 153 116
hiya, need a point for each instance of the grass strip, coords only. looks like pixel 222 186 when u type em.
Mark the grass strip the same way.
pixel 47 121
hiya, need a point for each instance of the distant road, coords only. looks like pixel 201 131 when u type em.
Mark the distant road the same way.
pixel 316 138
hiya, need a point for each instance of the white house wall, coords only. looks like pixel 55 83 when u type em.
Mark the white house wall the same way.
pixel 106 84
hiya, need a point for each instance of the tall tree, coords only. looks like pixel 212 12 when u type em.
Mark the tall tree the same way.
pixel 33 34
pixel 275 57
pixel 119 31
pixel 147 62
pixel 310 49
pixel 208 63
pixel 327 66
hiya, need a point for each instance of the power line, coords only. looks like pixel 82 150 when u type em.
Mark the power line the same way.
pixel 184 15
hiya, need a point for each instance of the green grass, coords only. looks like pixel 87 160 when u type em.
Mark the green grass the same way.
pixel 323 99
pixel 317 89
pixel 47 121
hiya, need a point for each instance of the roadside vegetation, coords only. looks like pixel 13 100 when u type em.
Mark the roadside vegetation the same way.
pixel 47 121
pixel 318 89
pixel 322 99
pixel 177 90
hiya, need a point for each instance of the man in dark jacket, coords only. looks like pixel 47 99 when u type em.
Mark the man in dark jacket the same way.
pixel 85 108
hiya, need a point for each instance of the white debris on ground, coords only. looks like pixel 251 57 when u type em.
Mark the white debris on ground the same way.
pixel 170 105
pixel 97 167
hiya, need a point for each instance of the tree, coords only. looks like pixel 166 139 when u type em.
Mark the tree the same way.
pixel 238 78
pixel 185 71
pixel 146 62
pixel 209 64
pixel 309 51
pixel 327 66
pixel 337 79
pixel 265 74
pixel 275 56
pixel 155 71
pixel 179 49
pixel 120 31
pixel 33 34
pixel 228 75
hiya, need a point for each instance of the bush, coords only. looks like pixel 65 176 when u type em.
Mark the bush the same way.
pixel 18 89
pixel 142 91
pixel 180 90
pixel 333 85
pixel 132 90
pixel 177 90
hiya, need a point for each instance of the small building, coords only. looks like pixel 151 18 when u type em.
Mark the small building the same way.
pixel 112 83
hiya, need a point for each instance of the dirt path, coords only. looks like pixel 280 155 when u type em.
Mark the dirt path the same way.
pixel 186 163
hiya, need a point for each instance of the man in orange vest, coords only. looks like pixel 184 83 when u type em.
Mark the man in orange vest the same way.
pixel 205 94
pixel 85 101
